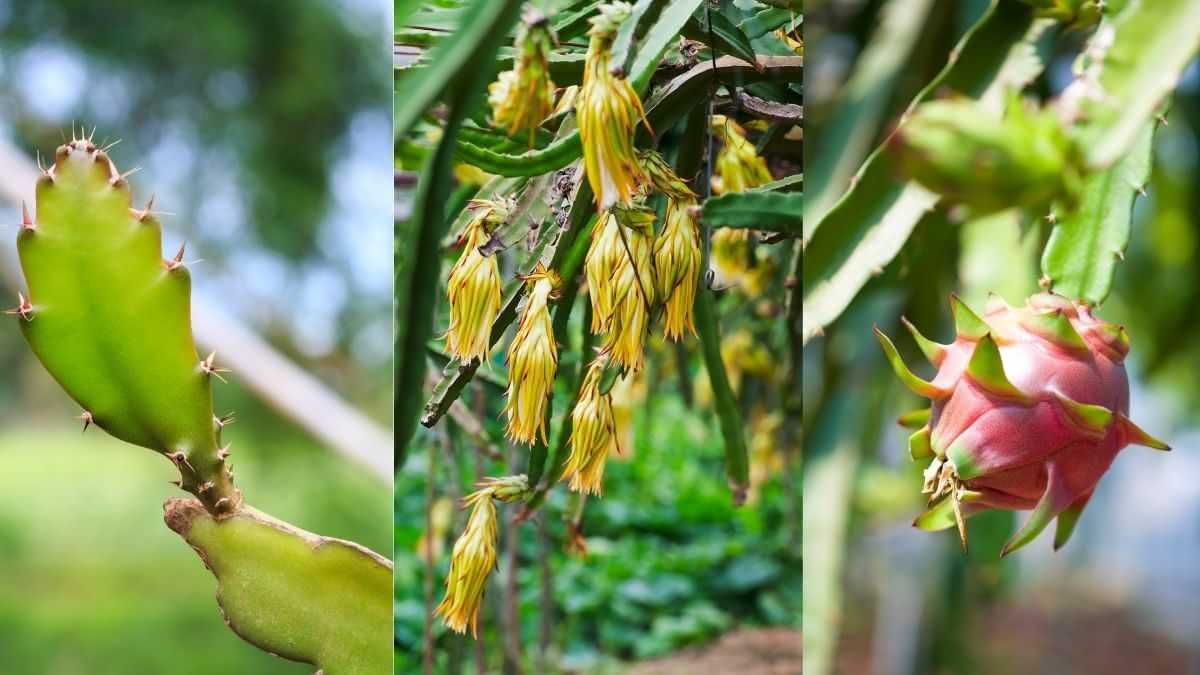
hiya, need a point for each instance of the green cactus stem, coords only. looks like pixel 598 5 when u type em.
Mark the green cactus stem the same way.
pixel 109 318
pixel 313 599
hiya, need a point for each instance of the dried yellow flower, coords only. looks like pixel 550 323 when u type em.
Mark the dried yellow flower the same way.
pixel 474 555
pixel 593 432
pixel 522 98
pixel 473 559
pixel 677 267
pixel 631 289
pixel 607 110
pixel 474 285
pixel 532 361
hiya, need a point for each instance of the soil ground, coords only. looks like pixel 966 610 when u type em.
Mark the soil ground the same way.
pixel 749 651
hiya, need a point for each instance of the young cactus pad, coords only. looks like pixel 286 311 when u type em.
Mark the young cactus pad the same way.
pixel 307 598
pixel 110 319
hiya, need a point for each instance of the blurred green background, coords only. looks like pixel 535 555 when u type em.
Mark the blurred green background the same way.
pixel 670 563
pixel 262 128
pixel 1120 598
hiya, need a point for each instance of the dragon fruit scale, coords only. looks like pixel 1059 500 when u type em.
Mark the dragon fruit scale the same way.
pixel 1029 409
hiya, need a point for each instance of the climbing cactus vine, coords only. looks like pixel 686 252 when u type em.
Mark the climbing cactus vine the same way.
pixel 109 318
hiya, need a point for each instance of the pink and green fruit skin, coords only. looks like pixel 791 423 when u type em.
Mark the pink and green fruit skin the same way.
pixel 1028 411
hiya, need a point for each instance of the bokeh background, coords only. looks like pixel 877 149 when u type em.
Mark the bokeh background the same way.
pixel 262 128
pixel 1120 598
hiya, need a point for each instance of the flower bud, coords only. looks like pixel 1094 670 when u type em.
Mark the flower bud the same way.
pixel 474 555
pixel 662 177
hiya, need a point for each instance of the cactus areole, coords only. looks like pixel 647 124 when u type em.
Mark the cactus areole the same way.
pixel 1029 408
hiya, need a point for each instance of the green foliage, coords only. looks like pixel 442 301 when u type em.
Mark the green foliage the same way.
pixel 228 76
pixel 1139 56
pixel 867 227
pixel 759 210
pixel 646 587
pixel 428 226
pixel 476 39
pixel 670 561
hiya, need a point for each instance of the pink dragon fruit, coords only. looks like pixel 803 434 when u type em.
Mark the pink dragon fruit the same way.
pixel 1029 409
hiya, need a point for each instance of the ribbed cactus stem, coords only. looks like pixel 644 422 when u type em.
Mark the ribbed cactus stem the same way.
pixel 109 317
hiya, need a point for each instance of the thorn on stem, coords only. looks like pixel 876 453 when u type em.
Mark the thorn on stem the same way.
pixel 24 308
pixel 207 367
pixel 176 262
pixel 26 220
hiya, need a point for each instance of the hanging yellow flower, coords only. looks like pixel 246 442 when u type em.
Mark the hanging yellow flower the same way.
pixel 522 98
pixel 474 285
pixel 473 559
pixel 607 110
pixel 738 166
pixel 474 555
pixel 632 289
pixel 593 432
pixel 532 361
pixel 677 267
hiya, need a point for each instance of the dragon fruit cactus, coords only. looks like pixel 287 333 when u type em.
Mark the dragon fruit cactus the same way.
pixel 1029 409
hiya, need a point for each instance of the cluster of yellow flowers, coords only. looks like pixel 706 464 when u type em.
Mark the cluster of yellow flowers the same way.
pixel 628 268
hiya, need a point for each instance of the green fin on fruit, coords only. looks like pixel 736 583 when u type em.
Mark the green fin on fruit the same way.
pixel 932 350
pixel 1136 436
pixel 1067 520
pixel 1095 419
pixel 918 444
pixel 1057 328
pixel 915 384
pixel 967 323
pixel 1052 503
pixel 987 369
pixel 914 419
